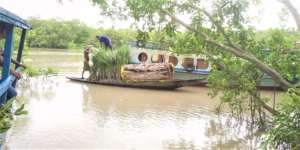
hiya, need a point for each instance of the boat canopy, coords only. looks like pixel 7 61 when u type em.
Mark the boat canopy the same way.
pixel 10 18
pixel 8 22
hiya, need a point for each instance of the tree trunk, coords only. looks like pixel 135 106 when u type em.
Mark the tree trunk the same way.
pixel 292 9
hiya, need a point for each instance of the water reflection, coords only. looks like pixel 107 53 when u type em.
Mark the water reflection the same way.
pixel 182 144
pixel 69 115
pixel 221 133
pixel 65 114
pixel 58 59
pixel 226 133
pixel 36 88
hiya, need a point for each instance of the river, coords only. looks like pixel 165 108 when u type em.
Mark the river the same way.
pixel 67 115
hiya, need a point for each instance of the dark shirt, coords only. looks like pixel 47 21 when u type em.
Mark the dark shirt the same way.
pixel 105 40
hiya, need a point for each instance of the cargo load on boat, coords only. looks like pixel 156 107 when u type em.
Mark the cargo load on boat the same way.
pixel 156 71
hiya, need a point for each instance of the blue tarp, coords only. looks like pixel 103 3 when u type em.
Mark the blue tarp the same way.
pixel 10 18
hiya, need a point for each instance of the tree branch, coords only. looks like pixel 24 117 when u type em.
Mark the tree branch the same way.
pixel 236 51
pixel 293 11
pixel 269 109
pixel 216 23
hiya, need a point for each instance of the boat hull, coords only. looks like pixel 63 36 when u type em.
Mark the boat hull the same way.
pixel 160 85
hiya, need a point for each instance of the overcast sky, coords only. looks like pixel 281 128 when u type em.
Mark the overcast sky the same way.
pixel 84 11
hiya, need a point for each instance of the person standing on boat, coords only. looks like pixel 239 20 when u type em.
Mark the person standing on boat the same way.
pixel 87 57
pixel 105 40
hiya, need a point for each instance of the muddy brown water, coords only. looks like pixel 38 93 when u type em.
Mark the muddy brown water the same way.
pixel 68 115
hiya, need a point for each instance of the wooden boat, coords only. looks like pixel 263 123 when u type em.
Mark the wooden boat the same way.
pixel 152 52
pixel 160 84
pixel 266 84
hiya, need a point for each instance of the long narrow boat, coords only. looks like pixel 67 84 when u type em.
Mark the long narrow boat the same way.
pixel 160 84
pixel 264 85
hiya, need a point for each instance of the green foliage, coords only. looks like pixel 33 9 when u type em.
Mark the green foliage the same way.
pixel 283 54
pixel 236 81
pixel 6 116
pixel 55 33
pixel 285 132
pixel 107 63
pixel 32 72
pixel 184 43
pixel 143 36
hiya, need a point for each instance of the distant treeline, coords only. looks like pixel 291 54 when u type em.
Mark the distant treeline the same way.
pixel 55 33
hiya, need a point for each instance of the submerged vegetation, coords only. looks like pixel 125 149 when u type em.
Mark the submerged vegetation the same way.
pixel 32 72
pixel 107 63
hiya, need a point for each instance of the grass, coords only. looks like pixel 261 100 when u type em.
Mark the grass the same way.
pixel 107 63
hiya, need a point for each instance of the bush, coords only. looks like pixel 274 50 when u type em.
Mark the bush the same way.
pixel 286 125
